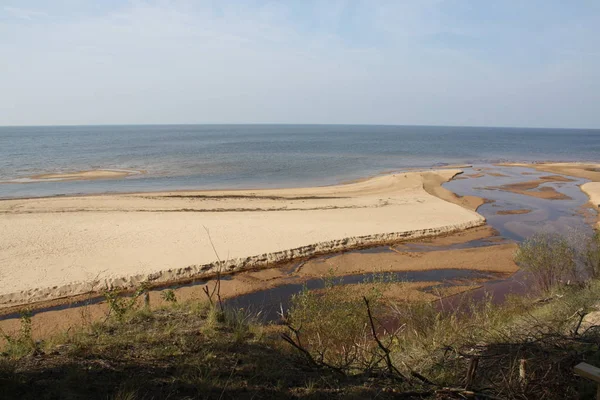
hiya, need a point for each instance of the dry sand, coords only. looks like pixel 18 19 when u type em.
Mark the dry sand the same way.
pixel 62 246
pixel 433 185
pixel 592 189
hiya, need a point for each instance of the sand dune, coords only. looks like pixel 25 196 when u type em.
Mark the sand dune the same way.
pixel 62 246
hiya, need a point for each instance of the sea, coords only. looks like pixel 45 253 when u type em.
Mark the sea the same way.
pixel 175 157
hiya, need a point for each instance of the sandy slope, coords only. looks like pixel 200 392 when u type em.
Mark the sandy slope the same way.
pixel 61 246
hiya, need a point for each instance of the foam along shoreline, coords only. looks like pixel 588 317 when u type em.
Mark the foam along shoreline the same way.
pixel 88 175
pixel 66 246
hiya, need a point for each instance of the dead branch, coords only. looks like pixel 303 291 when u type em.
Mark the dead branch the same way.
pixel 217 288
pixel 391 368
pixel 471 372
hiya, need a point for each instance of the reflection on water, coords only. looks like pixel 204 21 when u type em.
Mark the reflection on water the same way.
pixel 270 301
pixel 561 216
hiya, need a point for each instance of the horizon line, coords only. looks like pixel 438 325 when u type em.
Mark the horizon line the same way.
pixel 294 124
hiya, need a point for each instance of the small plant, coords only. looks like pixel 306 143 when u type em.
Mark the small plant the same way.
pixel 22 343
pixel 548 258
pixel 169 296
pixel 120 305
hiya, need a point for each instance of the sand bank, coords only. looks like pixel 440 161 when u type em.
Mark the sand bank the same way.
pixel 514 212
pixel 64 246
pixel 589 171
pixel 533 189
pixel 497 259
pixel 78 176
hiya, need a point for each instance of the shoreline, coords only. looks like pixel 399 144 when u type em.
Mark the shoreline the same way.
pixel 431 183
pixel 338 182
pixel 379 210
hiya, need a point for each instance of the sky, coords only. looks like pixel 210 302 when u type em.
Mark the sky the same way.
pixel 532 63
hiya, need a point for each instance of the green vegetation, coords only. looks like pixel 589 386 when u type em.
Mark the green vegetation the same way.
pixel 339 342
pixel 548 258
pixel 22 343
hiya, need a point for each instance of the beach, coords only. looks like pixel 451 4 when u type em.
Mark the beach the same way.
pixel 70 249
pixel 63 246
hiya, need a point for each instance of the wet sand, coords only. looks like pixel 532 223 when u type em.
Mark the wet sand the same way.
pixel 62 246
pixel 590 171
pixel 496 259
pixel 513 212
pixel 533 189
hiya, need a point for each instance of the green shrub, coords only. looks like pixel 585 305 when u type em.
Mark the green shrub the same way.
pixel 169 296
pixel 591 259
pixel 22 343
pixel 333 326
pixel 119 305
pixel 548 258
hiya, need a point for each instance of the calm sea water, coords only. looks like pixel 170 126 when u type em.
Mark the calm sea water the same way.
pixel 235 156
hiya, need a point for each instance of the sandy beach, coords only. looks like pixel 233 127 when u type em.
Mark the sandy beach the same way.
pixel 63 246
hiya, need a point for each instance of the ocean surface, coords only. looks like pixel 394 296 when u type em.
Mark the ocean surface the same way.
pixel 247 156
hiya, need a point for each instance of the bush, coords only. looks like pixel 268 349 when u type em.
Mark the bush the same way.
pixel 333 327
pixel 591 259
pixel 22 343
pixel 548 258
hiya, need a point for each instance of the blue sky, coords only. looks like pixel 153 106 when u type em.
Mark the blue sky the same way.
pixel 428 62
